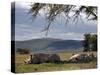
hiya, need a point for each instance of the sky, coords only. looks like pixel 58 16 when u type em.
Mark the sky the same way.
pixel 26 28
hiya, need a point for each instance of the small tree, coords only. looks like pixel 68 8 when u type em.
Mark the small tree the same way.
pixel 90 42
pixel 86 43
pixel 94 42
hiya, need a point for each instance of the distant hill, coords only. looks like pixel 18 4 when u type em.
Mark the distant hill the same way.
pixel 50 44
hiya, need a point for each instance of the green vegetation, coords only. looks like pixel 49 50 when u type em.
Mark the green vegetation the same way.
pixel 23 51
pixel 90 42
pixel 44 67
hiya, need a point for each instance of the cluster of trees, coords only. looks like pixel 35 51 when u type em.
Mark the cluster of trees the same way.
pixel 90 42
pixel 23 51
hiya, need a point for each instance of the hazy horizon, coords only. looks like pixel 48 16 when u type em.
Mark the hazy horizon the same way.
pixel 49 38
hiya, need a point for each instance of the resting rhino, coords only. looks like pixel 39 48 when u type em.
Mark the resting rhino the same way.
pixel 54 58
pixel 42 58
pixel 82 57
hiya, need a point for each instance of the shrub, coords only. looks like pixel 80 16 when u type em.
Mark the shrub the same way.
pixel 23 51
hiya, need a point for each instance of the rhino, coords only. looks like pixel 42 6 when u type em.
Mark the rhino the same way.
pixel 82 57
pixel 54 58
pixel 42 58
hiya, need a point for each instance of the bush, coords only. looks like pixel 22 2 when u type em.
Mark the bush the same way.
pixel 23 51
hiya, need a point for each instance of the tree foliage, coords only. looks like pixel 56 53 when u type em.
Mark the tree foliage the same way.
pixel 90 42
pixel 69 11
pixel 86 42
pixel 94 42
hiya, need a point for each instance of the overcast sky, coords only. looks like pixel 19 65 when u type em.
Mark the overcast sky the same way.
pixel 26 28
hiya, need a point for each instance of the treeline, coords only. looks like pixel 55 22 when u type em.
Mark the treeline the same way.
pixel 90 42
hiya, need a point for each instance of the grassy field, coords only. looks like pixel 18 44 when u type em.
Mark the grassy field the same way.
pixel 25 68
